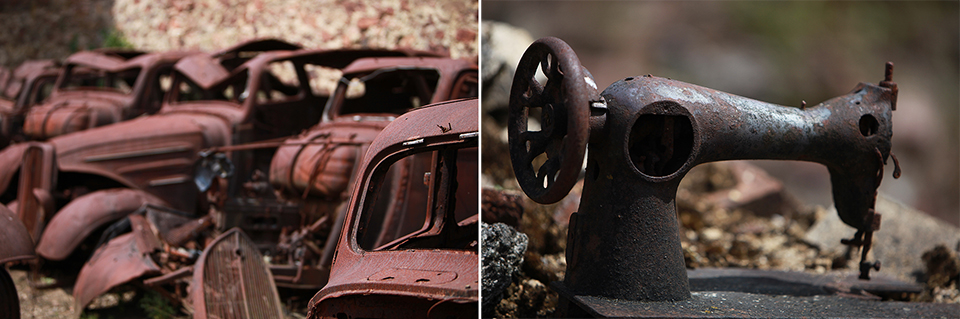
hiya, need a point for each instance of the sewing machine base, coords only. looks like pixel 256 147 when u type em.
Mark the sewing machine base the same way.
pixel 733 292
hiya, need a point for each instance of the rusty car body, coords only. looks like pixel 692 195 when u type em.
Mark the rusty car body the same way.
pixel 410 238
pixel 317 168
pixel 29 84
pixel 101 87
pixel 288 229
pixel 94 178
pixel 149 158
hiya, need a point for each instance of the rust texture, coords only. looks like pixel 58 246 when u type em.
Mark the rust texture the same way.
pixel 17 244
pixel 233 282
pixel 317 168
pixel 80 217
pixel 645 133
pixel 178 167
pixel 121 259
pixel 202 165
pixel 425 269
pixel 97 88
pixel 28 84
pixel 35 203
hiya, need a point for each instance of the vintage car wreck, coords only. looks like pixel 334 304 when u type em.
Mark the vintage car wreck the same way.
pixel 145 167
pixel 101 87
pixel 410 240
pixel 316 169
pixel 118 168
pixel 29 84
pixel 411 224
pixel 290 230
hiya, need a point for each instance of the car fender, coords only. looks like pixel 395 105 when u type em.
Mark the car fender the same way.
pixel 79 218
pixel 120 260
pixel 17 244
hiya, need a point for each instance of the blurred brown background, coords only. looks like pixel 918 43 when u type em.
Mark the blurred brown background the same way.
pixel 785 52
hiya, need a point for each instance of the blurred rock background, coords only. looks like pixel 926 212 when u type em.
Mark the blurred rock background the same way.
pixel 783 53
pixel 52 29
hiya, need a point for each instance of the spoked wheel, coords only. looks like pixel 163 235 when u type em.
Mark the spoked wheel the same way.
pixel 564 105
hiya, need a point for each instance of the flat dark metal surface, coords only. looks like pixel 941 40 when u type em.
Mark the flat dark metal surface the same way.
pixel 775 282
pixel 805 302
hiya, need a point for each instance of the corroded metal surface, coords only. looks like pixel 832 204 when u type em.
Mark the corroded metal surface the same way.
pixel 449 86
pixel 564 119
pixel 430 282
pixel 35 204
pixel 80 217
pixel 27 85
pixel 17 244
pixel 645 133
pixel 91 91
pixel 230 102
pixel 321 161
pixel 232 281
pixel 319 167
pixel 122 259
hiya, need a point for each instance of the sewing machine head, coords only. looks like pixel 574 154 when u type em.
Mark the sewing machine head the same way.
pixel 645 133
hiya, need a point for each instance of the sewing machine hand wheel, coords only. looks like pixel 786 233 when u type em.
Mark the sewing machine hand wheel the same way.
pixel 564 103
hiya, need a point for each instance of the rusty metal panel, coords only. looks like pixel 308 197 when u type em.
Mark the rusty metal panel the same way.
pixel 395 307
pixel 232 281
pixel 11 157
pixel 154 153
pixel 366 283
pixel 120 260
pixel 72 224
pixel 202 69
pixel 449 69
pixel 75 109
pixel 257 45
pixel 37 178
pixel 17 244
pixel 321 161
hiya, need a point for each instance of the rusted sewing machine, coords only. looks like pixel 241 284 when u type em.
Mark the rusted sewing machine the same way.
pixel 644 134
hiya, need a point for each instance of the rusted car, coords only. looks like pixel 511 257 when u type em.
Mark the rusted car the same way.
pixel 94 178
pixel 316 168
pixel 290 230
pixel 29 84
pixel 409 244
pixel 101 87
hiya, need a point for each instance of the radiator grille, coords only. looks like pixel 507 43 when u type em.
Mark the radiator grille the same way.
pixel 235 281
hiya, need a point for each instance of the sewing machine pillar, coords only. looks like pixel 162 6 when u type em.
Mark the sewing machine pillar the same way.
pixel 624 243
